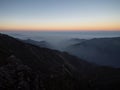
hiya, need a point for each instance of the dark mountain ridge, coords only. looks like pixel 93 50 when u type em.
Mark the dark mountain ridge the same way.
pixel 38 43
pixel 29 67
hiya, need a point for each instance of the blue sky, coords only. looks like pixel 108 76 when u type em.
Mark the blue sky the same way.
pixel 59 12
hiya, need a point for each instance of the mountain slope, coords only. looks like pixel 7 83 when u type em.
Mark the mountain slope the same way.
pixel 103 51
pixel 41 63
pixel 28 67
pixel 38 43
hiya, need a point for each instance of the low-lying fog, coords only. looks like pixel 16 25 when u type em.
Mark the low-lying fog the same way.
pixel 58 39
pixel 100 47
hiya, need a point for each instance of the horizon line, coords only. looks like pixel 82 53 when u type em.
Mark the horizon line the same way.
pixel 56 30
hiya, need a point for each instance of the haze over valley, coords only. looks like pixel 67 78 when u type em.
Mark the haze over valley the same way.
pixel 59 44
pixel 98 47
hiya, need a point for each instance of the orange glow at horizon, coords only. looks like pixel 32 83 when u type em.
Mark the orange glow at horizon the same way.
pixel 60 26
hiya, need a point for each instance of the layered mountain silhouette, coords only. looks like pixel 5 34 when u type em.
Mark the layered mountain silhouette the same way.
pixel 63 44
pixel 38 43
pixel 75 40
pixel 25 66
pixel 102 51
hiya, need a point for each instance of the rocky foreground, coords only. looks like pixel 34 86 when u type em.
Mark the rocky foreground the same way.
pixel 28 67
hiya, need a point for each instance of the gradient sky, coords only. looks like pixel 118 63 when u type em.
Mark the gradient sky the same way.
pixel 59 14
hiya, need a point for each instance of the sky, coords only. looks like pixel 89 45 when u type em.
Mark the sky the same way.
pixel 60 15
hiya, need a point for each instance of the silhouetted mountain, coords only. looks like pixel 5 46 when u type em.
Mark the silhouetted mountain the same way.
pixel 61 45
pixel 38 43
pixel 76 40
pixel 28 67
pixel 103 51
